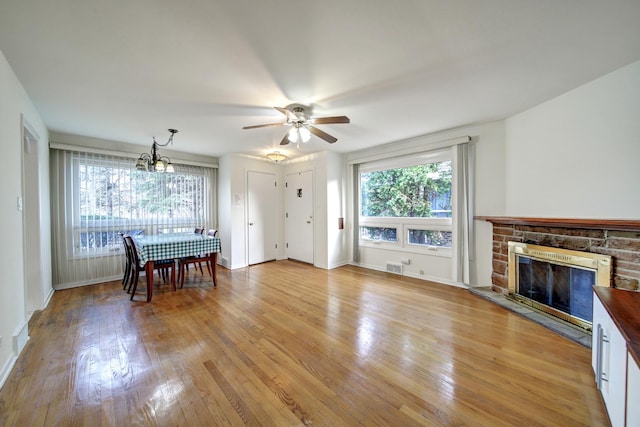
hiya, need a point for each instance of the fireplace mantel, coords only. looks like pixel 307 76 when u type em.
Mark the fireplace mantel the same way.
pixel 586 223
pixel 618 238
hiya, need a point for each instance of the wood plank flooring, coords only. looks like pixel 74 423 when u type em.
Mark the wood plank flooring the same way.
pixel 286 344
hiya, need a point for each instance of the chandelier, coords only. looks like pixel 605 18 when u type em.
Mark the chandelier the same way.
pixel 276 156
pixel 154 162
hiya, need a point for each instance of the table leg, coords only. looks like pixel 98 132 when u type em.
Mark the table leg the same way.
pixel 148 269
pixel 213 260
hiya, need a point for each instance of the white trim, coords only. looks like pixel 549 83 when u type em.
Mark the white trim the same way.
pixel 127 154
pixel 426 278
pixel 409 146
pixel 414 159
pixel 6 369
pixel 20 338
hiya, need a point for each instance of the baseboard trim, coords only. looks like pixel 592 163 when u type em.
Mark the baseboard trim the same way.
pixel 6 369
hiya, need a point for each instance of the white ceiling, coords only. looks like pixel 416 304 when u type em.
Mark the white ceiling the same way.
pixel 128 70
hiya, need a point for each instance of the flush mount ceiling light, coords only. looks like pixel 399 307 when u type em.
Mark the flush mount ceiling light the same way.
pixel 276 156
pixel 154 162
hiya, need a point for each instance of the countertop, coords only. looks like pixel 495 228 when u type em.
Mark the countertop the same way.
pixel 624 308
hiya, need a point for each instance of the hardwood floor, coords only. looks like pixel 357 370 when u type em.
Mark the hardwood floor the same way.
pixel 286 344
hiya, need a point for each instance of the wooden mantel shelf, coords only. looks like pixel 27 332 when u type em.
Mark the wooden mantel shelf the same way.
pixel 600 224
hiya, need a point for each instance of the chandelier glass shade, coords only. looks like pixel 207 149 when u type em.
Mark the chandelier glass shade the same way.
pixel 276 156
pixel 154 162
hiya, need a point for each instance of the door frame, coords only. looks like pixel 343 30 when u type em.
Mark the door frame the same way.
pixel 313 210
pixel 248 211
pixel 29 204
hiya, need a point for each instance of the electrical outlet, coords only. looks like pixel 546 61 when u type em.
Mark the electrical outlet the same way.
pixel 421 272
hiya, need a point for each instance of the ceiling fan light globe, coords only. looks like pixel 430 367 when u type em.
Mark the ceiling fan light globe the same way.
pixel 304 134
pixel 293 135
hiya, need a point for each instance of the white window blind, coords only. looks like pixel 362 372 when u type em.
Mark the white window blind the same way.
pixel 95 196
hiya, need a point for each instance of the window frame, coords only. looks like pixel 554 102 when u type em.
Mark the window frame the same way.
pixel 404 224
pixel 79 225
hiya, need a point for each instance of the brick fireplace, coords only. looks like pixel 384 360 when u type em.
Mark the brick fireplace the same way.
pixel 619 239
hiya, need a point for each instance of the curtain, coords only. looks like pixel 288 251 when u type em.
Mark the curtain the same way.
pixel 356 213
pixel 463 219
pixel 96 196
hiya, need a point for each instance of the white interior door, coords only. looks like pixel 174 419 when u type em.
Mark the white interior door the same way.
pixel 299 216
pixel 261 216
pixel 30 205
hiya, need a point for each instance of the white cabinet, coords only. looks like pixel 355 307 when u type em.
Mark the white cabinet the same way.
pixel 633 393
pixel 609 361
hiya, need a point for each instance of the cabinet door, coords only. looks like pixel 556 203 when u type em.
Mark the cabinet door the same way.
pixel 609 356
pixel 633 393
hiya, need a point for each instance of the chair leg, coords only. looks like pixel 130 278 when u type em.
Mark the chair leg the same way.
pixel 135 286
pixel 130 281
pixel 182 273
pixel 125 278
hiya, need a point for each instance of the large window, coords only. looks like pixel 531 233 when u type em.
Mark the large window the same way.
pixel 110 196
pixel 114 197
pixel 95 196
pixel 406 203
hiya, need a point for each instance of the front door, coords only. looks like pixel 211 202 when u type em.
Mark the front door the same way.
pixel 299 216
pixel 262 217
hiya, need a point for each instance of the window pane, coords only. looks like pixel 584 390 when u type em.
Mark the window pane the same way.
pixel 422 191
pixel 430 238
pixel 112 196
pixel 379 233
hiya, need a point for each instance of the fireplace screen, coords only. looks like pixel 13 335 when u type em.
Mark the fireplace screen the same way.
pixel 557 281
pixel 567 289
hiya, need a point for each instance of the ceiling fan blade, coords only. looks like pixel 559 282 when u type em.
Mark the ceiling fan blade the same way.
pixel 321 134
pixel 289 114
pixel 262 126
pixel 328 120
pixel 285 140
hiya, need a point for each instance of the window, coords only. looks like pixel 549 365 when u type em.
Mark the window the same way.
pixel 109 196
pixel 94 196
pixel 405 203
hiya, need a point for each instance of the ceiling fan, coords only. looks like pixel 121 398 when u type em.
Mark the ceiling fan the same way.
pixel 302 124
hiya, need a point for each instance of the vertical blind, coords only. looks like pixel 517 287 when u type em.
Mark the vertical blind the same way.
pixel 96 196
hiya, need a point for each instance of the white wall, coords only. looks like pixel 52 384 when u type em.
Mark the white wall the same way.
pixel 330 246
pixel 578 155
pixel 337 241
pixel 317 163
pixel 15 102
pixel 488 141
pixel 232 198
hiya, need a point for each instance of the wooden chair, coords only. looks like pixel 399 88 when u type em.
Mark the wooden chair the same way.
pixel 127 262
pixel 136 268
pixel 198 259
pixel 196 230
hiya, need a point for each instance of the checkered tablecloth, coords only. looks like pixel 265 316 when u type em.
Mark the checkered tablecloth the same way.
pixel 171 246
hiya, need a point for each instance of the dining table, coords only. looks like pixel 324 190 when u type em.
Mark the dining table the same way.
pixel 157 247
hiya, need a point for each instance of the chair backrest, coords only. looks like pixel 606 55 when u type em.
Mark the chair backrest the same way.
pixel 128 240
pixel 199 230
pixel 127 250
pixel 212 233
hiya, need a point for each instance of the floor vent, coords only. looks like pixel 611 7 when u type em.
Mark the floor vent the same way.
pixel 394 268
